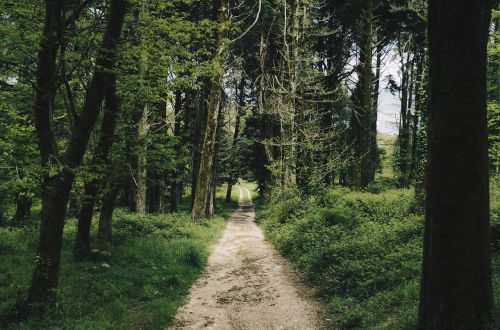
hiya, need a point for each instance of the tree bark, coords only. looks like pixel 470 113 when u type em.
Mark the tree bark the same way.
pixel 99 161
pixel 23 206
pixel 204 189
pixel 155 191
pixel 45 277
pixel 56 188
pixel 140 189
pixel 200 124
pixel 456 289
pixel 108 203
pixel 362 116
pixel 175 182
pixel 239 112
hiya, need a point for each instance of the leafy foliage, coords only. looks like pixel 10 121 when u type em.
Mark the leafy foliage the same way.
pixel 361 250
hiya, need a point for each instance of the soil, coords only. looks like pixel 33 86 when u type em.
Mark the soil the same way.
pixel 248 285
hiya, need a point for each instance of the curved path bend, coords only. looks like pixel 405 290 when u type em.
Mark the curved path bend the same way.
pixel 248 285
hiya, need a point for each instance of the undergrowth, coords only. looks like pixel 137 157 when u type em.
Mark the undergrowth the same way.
pixel 138 282
pixel 361 250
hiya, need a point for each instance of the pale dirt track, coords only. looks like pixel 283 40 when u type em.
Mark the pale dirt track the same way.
pixel 248 285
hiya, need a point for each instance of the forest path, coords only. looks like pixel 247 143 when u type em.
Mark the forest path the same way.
pixel 248 285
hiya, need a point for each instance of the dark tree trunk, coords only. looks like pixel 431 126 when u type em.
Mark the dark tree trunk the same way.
pixel 2 212
pixel 56 188
pixel 229 192
pixel 362 117
pixel 456 289
pixel 46 76
pixel 107 208
pixel 45 277
pixel 232 171
pixel 73 203
pixel 99 161
pixel 3 203
pixel 129 190
pixel 198 133
pixel 23 207
pixel 155 191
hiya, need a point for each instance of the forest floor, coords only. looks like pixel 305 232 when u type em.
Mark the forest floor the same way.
pixel 248 285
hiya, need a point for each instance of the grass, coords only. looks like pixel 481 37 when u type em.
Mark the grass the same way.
pixel 138 282
pixel 235 193
pixel 361 250
pixel 386 144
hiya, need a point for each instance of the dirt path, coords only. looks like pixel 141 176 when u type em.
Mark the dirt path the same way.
pixel 247 285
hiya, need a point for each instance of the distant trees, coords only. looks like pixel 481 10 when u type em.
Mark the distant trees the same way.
pixel 456 289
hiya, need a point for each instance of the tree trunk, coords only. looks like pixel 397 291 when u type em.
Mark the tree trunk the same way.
pixel 99 161
pixel 56 188
pixel 239 112
pixel 175 182
pixel 204 189
pixel 140 189
pixel 456 289
pixel 200 122
pixel 23 207
pixel 45 276
pixel 374 158
pixel 107 208
pixel 155 191
pixel 362 116
pixel 130 188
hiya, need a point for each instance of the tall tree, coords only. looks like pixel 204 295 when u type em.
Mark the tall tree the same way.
pixel 176 184
pixel 362 112
pixel 232 176
pixel 97 166
pixel 456 289
pixel 140 182
pixel 59 172
pixel 203 199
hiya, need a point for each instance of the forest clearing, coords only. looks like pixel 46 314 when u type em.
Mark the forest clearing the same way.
pixel 250 164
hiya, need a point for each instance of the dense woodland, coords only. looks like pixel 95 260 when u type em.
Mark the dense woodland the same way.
pixel 127 126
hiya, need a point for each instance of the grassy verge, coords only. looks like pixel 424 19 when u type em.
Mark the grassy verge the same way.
pixel 136 283
pixel 361 250
pixel 235 193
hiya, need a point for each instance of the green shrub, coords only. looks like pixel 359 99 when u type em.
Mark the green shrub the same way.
pixel 361 250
